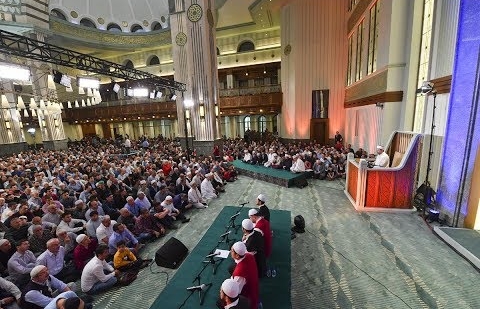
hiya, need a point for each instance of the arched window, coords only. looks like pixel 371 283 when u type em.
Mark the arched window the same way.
pixel 136 28
pixel 218 52
pixel 114 27
pixel 153 60
pixel 246 46
pixel 246 123
pixel 156 26
pixel 58 14
pixel 262 124
pixel 87 23
pixel 128 64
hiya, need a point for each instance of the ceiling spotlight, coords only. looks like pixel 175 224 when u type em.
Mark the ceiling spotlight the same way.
pixel 174 97
pixel 15 72
pixel 159 94
pixel 426 87
pixel 88 82
pixel 140 92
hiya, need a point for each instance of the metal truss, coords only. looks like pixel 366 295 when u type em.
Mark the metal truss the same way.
pixel 21 46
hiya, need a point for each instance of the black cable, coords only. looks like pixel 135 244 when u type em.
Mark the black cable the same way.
pixel 159 272
pixel 341 254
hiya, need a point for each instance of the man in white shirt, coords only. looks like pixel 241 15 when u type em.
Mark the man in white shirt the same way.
pixel 105 230
pixel 382 159
pixel 71 225
pixel 208 192
pixel 195 197
pixel 298 165
pixel 98 275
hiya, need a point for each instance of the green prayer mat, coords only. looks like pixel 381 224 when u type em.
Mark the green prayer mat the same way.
pixel 268 174
pixel 274 291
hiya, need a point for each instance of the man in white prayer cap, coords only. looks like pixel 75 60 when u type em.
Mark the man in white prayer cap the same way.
pixel 230 298
pixel 382 159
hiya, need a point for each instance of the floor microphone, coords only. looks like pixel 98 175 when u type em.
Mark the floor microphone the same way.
pixel 197 287
pixel 244 203
pixel 225 234
pixel 234 216
pixel 212 255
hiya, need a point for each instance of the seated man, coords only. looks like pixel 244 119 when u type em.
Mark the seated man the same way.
pixel 9 294
pixel 18 230
pixel 38 241
pixel 127 218
pixel 298 166
pixel 247 157
pixel 319 171
pixel 54 259
pixel 208 192
pixel 173 212
pixel 40 290
pixel 6 252
pixel 93 224
pixel 105 230
pixel 84 251
pixel 68 300
pixel 147 227
pixel 195 197
pixel 120 232
pixel 71 225
pixel 21 263
pixel 98 275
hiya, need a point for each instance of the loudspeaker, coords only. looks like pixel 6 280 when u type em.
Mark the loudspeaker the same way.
pixel 171 254
pixel 299 222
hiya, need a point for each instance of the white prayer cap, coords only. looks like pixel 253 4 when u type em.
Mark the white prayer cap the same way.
pixel 380 147
pixel 168 198
pixel 140 192
pixel 36 270
pixel 247 224
pixel 129 198
pixel 78 202
pixel 142 182
pixel 230 288
pixel 193 183
pixel 252 212
pixel 80 238
pixel 240 248
pixel 262 198
pixel 3 241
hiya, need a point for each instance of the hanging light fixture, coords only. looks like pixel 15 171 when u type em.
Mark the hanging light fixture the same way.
pixel 76 104
pixel 88 102
pixel 25 113
pixel 34 113
pixel 5 103
pixel 50 82
pixel 69 104
pixel 81 90
pixel 83 103
pixel 20 103
pixel 89 92
pixel 33 104
pixel 42 104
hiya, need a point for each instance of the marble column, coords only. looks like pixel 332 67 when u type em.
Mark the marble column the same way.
pixel 194 55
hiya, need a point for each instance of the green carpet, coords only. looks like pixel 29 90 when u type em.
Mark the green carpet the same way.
pixel 271 175
pixel 274 292
pixel 469 239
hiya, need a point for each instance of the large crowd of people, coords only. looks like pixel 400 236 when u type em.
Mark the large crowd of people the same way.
pixel 86 212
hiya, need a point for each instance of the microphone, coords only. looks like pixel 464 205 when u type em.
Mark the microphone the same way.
pixel 212 255
pixel 243 203
pixel 234 216
pixel 201 287
pixel 225 234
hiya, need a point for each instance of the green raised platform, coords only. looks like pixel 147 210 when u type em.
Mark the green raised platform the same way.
pixel 271 175
pixel 274 292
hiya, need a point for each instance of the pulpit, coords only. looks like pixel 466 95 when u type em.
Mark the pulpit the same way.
pixel 386 188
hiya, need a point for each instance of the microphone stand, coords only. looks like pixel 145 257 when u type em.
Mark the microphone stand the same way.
pixel 201 293
pixel 214 263
pixel 225 239
pixel 231 223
